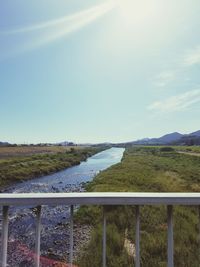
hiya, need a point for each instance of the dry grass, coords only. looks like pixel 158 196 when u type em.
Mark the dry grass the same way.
pixel 7 152
pixel 189 149
pixel 190 153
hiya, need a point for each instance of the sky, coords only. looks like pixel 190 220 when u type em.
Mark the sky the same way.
pixel 98 71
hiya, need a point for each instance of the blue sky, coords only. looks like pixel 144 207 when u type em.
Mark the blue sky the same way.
pixel 95 71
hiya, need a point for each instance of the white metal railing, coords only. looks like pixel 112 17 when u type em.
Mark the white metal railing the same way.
pixel 71 199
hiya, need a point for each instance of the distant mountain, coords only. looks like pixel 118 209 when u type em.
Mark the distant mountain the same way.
pixel 168 138
pixel 189 139
pixel 165 139
pixel 197 133
pixel 172 139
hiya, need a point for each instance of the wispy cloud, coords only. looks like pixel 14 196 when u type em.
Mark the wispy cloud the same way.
pixel 188 59
pixel 192 57
pixel 33 36
pixel 164 78
pixel 176 103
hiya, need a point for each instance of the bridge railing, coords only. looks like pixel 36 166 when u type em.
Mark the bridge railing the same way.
pixel 104 199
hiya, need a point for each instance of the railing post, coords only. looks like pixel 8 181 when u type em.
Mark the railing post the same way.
pixel 104 238
pixel 38 232
pixel 137 237
pixel 170 236
pixel 4 237
pixel 199 233
pixel 71 234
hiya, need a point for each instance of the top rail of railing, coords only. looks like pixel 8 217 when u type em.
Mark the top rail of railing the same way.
pixel 103 198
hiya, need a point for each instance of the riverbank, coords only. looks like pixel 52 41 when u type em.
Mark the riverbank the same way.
pixel 22 165
pixel 55 219
pixel 144 169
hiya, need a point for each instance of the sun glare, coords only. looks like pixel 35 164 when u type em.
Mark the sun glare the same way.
pixel 136 10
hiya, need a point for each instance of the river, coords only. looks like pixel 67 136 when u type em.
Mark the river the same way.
pixel 55 220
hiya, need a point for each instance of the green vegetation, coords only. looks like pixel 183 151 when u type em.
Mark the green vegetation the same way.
pixel 145 169
pixel 27 163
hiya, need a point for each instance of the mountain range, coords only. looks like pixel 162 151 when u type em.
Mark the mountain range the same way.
pixel 167 139
pixel 172 139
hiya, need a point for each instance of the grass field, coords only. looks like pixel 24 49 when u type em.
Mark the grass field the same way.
pixel 8 152
pixel 145 169
pixel 22 163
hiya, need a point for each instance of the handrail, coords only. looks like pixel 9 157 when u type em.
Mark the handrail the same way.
pixel 97 198
pixel 100 198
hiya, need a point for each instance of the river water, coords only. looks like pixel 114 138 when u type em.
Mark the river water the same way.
pixel 71 178
pixel 55 220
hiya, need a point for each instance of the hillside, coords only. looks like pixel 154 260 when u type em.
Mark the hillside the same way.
pixel 188 140
pixel 171 139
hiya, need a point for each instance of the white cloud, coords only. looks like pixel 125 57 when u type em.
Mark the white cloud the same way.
pixel 192 57
pixel 189 59
pixel 177 103
pixel 164 78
